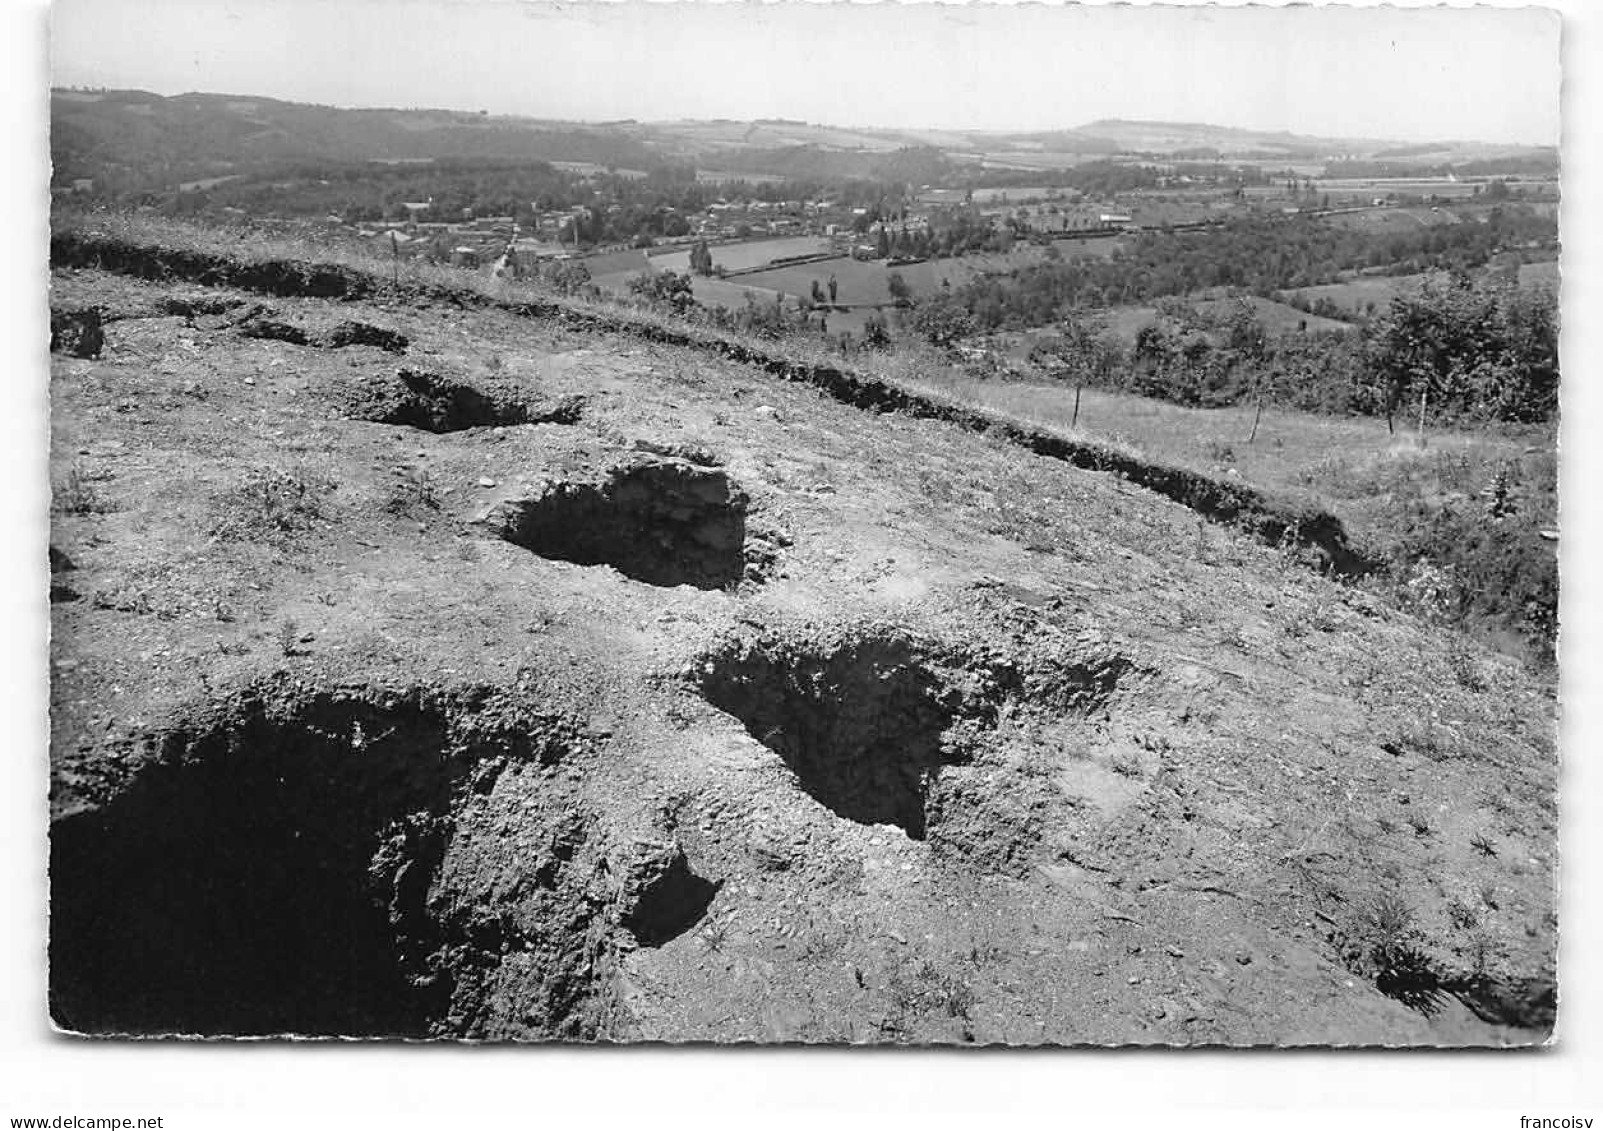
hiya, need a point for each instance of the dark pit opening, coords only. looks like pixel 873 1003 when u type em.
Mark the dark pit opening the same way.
pixel 861 724
pixel 269 878
pixel 436 403
pixel 671 900
pixel 664 522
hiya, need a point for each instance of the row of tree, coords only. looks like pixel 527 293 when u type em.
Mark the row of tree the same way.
pixel 1259 255
pixel 1457 349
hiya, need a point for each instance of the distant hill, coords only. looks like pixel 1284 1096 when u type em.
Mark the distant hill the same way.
pixel 1178 138
pixel 147 140
pixel 135 140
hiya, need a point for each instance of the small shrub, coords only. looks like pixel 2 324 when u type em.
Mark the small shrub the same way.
pixel 1125 765
pixel 269 504
pixel 1462 915
pixel 412 496
pixel 1465 667
pixel 1385 948
pixel 76 495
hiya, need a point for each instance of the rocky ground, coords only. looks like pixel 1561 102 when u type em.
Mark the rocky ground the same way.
pixel 438 671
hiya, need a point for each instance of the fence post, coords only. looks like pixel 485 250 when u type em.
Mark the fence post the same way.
pixel 1256 418
pixel 1075 422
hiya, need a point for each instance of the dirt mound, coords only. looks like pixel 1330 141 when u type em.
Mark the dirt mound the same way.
pixel 433 402
pixel 78 333
pixel 658 520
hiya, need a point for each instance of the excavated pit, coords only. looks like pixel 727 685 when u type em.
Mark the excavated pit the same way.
pixel 862 723
pixel 657 520
pixel 435 403
pixel 270 874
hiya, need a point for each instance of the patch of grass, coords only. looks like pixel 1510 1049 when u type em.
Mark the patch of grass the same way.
pixel 270 504
pixel 412 496
pixel 287 634
pixel 1462 916
pixel 1125 764
pixel 1464 665
pixel 1384 946
pixel 931 992
pixel 77 495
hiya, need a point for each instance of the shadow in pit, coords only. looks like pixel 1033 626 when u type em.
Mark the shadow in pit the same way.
pixel 269 878
pixel 860 724
pixel 662 521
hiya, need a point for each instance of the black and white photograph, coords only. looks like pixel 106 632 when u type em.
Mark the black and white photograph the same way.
pixel 924 526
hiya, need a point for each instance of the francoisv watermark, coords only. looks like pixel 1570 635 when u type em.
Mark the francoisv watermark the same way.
pixel 1567 1122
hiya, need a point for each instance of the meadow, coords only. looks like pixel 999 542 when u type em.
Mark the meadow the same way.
pixel 1367 294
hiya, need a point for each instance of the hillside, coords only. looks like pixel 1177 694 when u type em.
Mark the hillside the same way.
pixel 143 140
pixel 447 659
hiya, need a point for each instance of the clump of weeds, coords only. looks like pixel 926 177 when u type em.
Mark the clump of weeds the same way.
pixel 270 504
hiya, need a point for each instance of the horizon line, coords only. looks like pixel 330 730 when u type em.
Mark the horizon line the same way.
pixel 1289 133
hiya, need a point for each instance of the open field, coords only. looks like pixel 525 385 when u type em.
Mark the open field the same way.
pixel 1363 295
pixel 1409 219
pixel 1276 317
pixel 1125 322
pixel 745 255
pixel 1367 294
pixel 864 281
pixel 1291 453
pixel 1545 274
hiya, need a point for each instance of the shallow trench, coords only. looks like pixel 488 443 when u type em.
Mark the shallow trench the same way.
pixel 272 873
pixel 659 520
pixel 433 402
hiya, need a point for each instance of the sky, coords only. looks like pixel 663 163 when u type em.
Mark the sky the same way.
pixel 1484 74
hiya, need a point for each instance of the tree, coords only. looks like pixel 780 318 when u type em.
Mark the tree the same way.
pixel 567 276
pixel 833 288
pixel 901 293
pixel 701 258
pixel 1488 352
pixel 876 334
pixel 667 288
pixel 942 320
